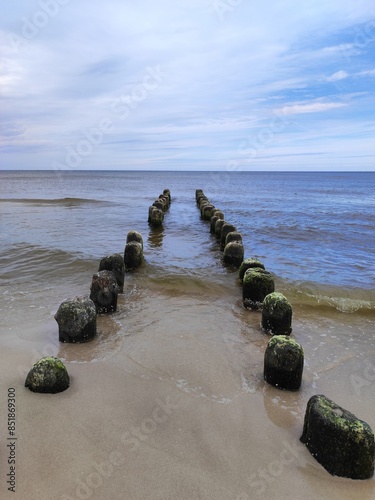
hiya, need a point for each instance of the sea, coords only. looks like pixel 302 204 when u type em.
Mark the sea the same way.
pixel 314 231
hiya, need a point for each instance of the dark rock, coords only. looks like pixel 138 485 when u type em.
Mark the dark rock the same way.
pixel 104 291
pixel 233 254
pixel 114 263
pixel 277 314
pixel 283 363
pixel 77 320
pixel 48 375
pixel 338 440
pixel 257 283
pixel 247 264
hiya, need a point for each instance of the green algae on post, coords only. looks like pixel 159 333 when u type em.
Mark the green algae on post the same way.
pixel 257 283
pixel 48 375
pixel 276 314
pixel 283 363
pixel 338 440
pixel 248 264
pixel 233 253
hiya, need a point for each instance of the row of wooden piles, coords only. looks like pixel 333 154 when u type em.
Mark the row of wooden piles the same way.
pixel 341 442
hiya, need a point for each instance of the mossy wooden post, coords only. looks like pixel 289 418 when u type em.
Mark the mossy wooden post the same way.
pixel 155 216
pixel 257 284
pixel 167 193
pixel 134 236
pixel 159 204
pixel 104 291
pixel 114 263
pixel 215 216
pixel 133 255
pixel 283 363
pixel 276 314
pixel 48 375
pixel 225 230
pixel 338 440
pixel 233 236
pixel 198 192
pixel 233 253
pixel 76 319
pixel 218 225
pixel 206 212
pixel 248 264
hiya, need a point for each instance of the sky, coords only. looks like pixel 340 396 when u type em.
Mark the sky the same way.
pixel 228 85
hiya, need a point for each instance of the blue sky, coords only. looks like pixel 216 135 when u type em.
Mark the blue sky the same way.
pixel 187 85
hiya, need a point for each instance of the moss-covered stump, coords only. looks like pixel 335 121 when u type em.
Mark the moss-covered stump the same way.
pixel 48 375
pixel 155 216
pixel 159 204
pixel 133 255
pixel 206 212
pixel 198 192
pixel 225 230
pixel 248 264
pixel 219 215
pixel 201 198
pixel 213 221
pixel 257 284
pixel 233 254
pixel 134 236
pixel 104 291
pixel 114 263
pixel 233 236
pixel 283 363
pixel 77 320
pixel 167 193
pixel 338 440
pixel 276 314
pixel 218 225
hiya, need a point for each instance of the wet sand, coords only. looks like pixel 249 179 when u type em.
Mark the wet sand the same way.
pixel 174 405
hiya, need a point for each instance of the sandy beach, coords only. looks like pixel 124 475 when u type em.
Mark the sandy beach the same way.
pixel 176 408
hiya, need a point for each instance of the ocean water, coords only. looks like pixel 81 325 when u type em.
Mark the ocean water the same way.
pixel 313 231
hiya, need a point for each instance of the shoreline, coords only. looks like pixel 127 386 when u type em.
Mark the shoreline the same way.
pixel 181 407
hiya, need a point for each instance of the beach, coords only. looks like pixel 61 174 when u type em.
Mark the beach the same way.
pixel 169 401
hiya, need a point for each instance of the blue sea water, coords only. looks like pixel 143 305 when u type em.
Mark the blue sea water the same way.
pixel 314 230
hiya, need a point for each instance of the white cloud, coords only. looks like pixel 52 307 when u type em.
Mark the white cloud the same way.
pixel 339 75
pixel 312 107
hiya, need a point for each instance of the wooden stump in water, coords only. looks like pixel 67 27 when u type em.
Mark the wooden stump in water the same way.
pixel 338 440
pixel 276 314
pixel 283 363
pixel 104 291
pixel 77 320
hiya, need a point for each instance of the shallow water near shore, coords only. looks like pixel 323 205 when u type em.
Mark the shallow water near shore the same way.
pixel 173 383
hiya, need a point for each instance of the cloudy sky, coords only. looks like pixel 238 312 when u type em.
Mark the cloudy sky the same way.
pixel 187 84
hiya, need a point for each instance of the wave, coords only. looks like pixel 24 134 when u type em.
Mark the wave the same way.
pixel 68 202
pixel 320 296
pixel 24 261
